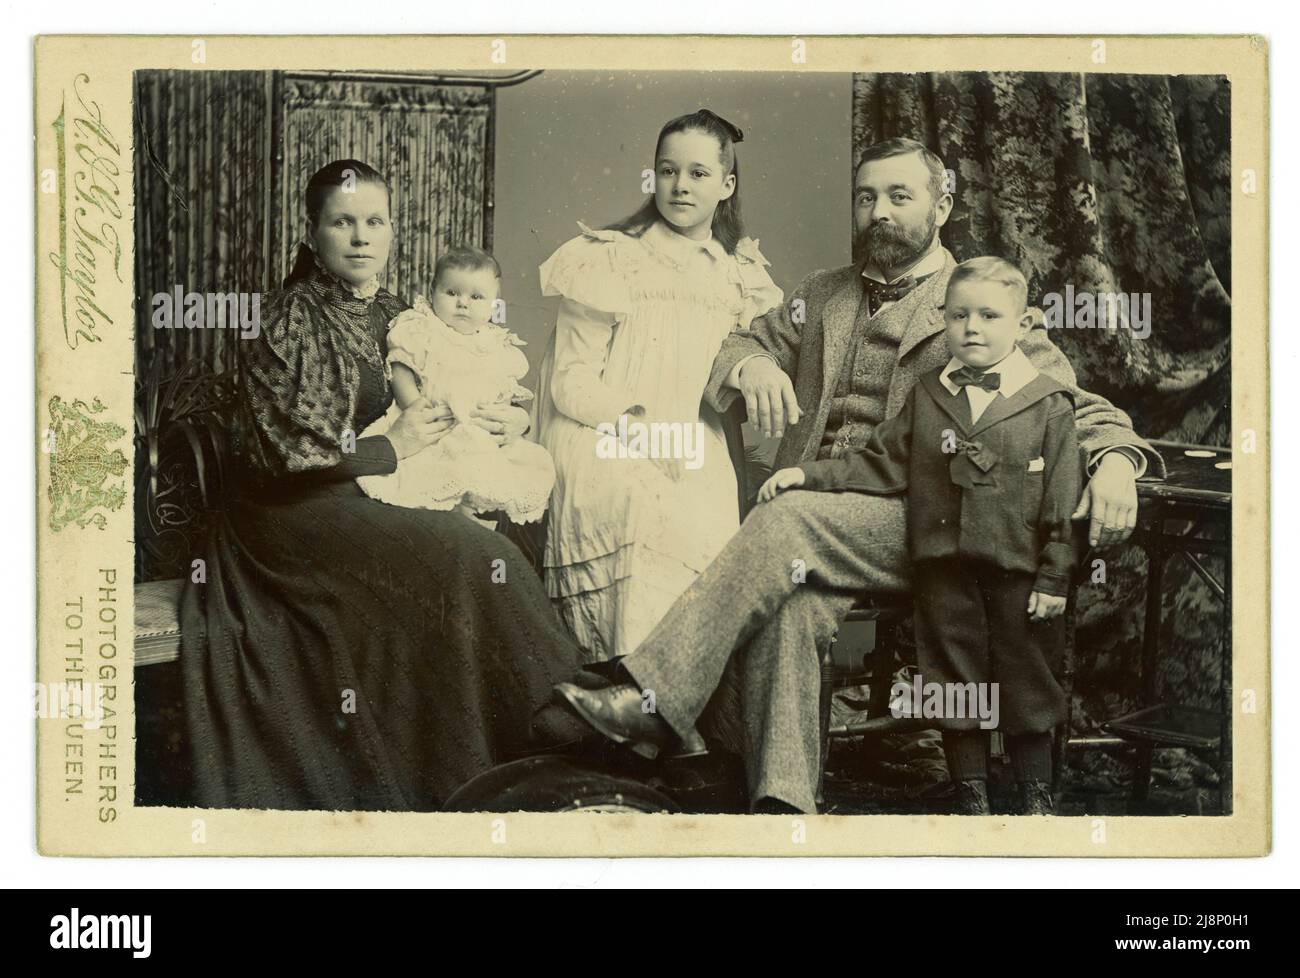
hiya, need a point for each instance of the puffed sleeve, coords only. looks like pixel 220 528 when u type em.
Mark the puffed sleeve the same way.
pixel 508 365
pixel 586 274
pixel 760 294
pixel 409 336
pixel 588 269
pixel 518 366
pixel 300 390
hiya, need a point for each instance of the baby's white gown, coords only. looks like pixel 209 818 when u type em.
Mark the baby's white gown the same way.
pixel 466 465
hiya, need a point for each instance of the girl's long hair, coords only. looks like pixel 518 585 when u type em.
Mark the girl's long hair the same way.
pixel 321 183
pixel 727 225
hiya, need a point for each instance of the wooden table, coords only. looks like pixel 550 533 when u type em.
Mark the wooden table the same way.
pixel 1196 497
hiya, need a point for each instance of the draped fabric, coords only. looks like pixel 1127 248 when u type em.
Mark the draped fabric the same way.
pixel 201 151
pixel 430 141
pixel 1103 183
pixel 201 200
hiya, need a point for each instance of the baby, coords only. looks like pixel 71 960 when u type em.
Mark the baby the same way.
pixel 985 449
pixel 452 353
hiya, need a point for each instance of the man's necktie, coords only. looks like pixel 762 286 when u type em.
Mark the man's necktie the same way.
pixel 878 293
pixel 970 377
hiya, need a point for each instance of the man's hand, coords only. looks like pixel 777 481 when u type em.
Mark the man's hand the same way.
pixel 769 396
pixel 1045 606
pixel 1110 499
pixel 779 482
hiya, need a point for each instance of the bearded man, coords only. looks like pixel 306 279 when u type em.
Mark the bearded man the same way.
pixel 820 373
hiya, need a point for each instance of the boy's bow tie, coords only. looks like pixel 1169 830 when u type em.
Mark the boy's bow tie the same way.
pixel 970 377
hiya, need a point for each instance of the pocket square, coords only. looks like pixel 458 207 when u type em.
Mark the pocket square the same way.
pixel 1036 464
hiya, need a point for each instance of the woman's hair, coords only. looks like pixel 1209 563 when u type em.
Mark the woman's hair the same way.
pixel 332 175
pixel 727 225
pixel 466 257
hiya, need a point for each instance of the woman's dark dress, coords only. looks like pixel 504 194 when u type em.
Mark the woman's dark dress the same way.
pixel 343 653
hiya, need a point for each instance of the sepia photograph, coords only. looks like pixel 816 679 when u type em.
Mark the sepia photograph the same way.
pixel 700 442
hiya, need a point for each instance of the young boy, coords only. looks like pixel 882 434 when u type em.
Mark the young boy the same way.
pixel 985 449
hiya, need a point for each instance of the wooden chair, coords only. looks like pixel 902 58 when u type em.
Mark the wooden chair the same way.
pixel 185 416
pixel 157 622
pixel 842 668
pixel 876 669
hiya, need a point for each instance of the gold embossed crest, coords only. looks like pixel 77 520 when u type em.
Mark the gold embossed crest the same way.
pixel 82 461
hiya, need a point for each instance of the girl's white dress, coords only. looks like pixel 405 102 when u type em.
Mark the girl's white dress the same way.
pixel 641 321
pixel 466 465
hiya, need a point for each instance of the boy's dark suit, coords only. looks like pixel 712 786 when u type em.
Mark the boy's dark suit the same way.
pixel 989 507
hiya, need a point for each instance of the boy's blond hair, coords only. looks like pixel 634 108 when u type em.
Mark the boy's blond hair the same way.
pixel 990 268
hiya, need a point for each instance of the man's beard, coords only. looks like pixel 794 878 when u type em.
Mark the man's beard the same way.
pixel 889 246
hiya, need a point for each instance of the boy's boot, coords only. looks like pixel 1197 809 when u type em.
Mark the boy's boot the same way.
pixel 1035 798
pixel 968 767
pixel 971 798
pixel 1031 759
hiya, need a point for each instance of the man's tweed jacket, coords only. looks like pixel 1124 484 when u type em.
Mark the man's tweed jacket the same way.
pixel 809 336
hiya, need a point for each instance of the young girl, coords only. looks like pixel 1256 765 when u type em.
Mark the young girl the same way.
pixel 646 305
pixel 451 353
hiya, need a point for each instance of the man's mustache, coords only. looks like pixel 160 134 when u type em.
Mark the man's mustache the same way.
pixel 881 233
pixel 889 242
pixel 885 230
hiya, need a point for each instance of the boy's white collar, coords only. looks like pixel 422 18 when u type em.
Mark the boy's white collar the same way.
pixel 1014 369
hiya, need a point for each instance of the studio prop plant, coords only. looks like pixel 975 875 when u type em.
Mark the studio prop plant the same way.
pixel 182 431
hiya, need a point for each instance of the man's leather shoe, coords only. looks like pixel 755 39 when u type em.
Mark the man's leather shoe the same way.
pixel 1035 798
pixel 609 672
pixel 971 798
pixel 692 745
pixel 616 712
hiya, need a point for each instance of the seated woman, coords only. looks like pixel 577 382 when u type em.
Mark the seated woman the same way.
pixel 340 653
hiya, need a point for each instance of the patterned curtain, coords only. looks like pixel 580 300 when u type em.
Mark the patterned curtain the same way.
pixel 433 144
pixel 202 179
pixel 1106 183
